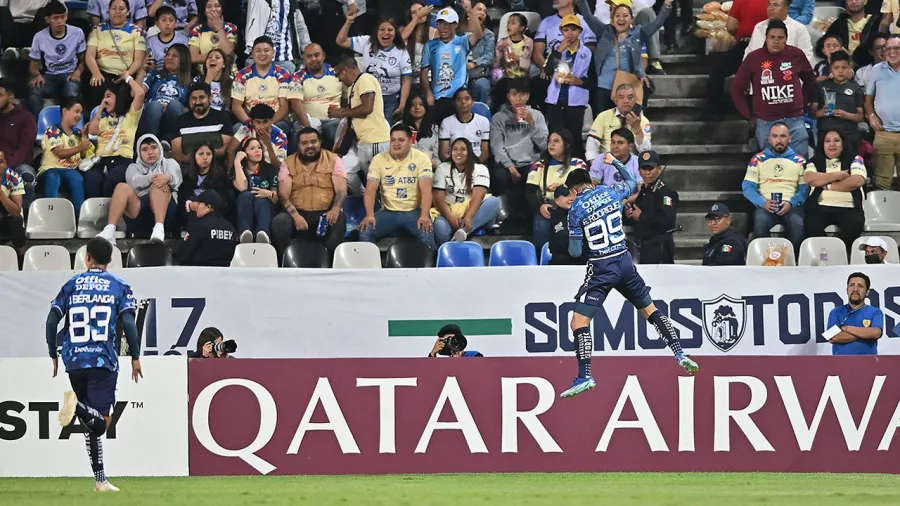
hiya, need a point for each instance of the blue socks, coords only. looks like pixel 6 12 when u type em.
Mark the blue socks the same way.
pixel 665 330
pixel 584 347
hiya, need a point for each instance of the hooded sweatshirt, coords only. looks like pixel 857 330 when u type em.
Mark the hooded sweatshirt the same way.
pixel 517 143
pixel 139 174
pixel 770 172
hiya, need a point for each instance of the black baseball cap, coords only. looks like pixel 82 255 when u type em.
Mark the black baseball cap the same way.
pixel 450 329
pixel 718 210
pixel 210 198
pixel 648 159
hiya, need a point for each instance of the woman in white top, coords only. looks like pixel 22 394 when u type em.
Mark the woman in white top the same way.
pixel 420 118
pixel 461 201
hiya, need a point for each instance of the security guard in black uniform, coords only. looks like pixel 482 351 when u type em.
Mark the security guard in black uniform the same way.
pixel 652 214
pixel 727 246
pixel 210 239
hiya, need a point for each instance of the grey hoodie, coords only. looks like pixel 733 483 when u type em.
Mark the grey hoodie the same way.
pixel 139 175
pixel 515 143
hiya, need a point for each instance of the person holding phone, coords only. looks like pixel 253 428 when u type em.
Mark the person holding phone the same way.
pixel 626 114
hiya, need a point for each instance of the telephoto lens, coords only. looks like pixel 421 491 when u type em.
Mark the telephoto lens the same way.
pixel 229 346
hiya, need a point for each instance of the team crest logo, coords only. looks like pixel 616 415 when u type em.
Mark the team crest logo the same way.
pixel 392 61
pixel 778 168
pixel 848 92
pixel 71 143
pixel 724 321
pixel 263 87
pixel 214 38
pixel 866 323
pixel 401 193
pixel 60 49
pixel 412 167
pixel 320 88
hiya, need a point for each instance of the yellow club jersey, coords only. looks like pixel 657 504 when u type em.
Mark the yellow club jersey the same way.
pixel 317 93
pixel 399 179
pixel 116 46
pixel 555 175
pixel 253 88
pixel 124 145
pixel 373 128
pixel 56 137
pixel 776 174
pixel 607 121
pixel 206 39
pixel 835 198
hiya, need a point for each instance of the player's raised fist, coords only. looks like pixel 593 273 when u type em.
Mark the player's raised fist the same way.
pixel 608 158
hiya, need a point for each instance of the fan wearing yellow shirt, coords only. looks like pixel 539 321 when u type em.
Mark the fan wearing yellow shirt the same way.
pixel 115 126
pixel 403 174
pixel 64 144
pixel 114 50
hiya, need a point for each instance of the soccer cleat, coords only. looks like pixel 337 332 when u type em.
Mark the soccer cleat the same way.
pixel 159 234
pixel 578 386
pixel 105 486
pixel 460 235
pixel 689 365
pixel 67 411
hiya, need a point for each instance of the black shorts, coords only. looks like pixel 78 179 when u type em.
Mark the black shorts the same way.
pixel 96 387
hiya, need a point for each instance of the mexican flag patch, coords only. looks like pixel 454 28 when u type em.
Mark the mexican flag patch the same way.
pixel 667 201
pixel 726 248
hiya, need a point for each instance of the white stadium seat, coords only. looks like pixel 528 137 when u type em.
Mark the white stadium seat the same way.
pixel 534 20
pixel 9 259
pixel 92 219
pixel 114 263
pixel 779 229
pixel 254 255
pixel 882 209
pixel 858 257
pixel 47 258
pixel 357 255
pixel 757 249
pixel 813 246
pixel 51 219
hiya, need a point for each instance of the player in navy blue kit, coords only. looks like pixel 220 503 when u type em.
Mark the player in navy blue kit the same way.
pixel 596 218
pixel 90 305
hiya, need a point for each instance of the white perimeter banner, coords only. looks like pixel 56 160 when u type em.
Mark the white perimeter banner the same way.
pixel 509 311
pixel 148 435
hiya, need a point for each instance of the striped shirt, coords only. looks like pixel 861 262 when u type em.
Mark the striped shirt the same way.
pixel 278 29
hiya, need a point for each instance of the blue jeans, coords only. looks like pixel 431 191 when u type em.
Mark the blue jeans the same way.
pixel 799 136
pixel 159 122
pixel 53 178
pixel 254 214
pixel 55 86
pixel 484 216
pixel 763 221
pixel 481 89
pixel 390 103
pixel 540 231
pixel 101 179
pixel 388 223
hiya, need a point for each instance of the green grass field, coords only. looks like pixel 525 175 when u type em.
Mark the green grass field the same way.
pixel 656 489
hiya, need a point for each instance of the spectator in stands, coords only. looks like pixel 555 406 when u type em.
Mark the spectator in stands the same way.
pixel 416 33
pixel 621 146
pixel 12 190
pixel 444 60
pixel 64 145
pixel 626 114
pixel 201 125
pixel 827 45
pixel 481 57
pixel 514 52
pixel 883 112
pixel 276 26
pixel 860 325
pixel 836 175
pixel 891 16
pixel 60 49
pixel 644 13
pixel 366 113
pixel 218 77
pixel 184 11
pixel 858 29
pixel 210 239
pixel 559 228
pixel 385 57
pixel 518 136
pixel 115 51
pixel 653 213
pixel 167 94
pixel 263 82
pixel 315 88
pixel 774 184
pixel 727 246
pixel 404 177
pixel 461 201
pixel 312 185
pixel 876 56
pixel 18 129
pixel 101 11
pixel 468 125
pixel 876 250
pixel 158 44
pixel 212 32
pixel 205 174
pixel 547 174
pixel 782 83
pixel 839 102
pixel 419 118
pixel 801 11
pixel 549 33
pixel 256 182
pixel 148 195
pixel 260 126
pixel 115 125
pixel 796 34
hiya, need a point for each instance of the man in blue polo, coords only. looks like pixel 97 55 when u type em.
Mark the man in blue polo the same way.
pixel 860 324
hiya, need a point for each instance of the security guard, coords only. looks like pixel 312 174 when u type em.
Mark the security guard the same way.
pixel 210 239
pixel 652 214
pixel 727 246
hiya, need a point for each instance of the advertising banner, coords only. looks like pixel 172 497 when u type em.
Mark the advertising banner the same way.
pixel 504 312
pixel 349 416
pixel 147 435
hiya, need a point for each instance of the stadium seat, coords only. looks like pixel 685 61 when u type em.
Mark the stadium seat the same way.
pixel 858 257
pixel 310 255
pixel 51 219
pixel 73 5
pixel 92 219
pixel 482 109
pixel 813 246
pixel 882 209
pixel 357 255
pixel 512 253
pixel 9 259
pixel 150 255
pixel 534 20
pixel 460 254
pixel 47 258
pixel 254 255
pixel 757 249
pixel 545 254
pixel 49 116
pixel 409 255
pixel 114 263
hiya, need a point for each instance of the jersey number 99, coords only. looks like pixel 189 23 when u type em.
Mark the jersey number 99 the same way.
pixel 605 232
pixel 89 324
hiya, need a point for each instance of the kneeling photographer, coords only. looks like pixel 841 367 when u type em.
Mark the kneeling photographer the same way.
pixel 452 343
pixel 212 344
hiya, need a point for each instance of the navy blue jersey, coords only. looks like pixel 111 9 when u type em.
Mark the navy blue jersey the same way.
pixel 90 304
pixel 596 217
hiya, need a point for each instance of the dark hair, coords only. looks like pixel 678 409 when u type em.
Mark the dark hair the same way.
pixel 840 56
pixel 862 277
pixel 577 177
pixel 848 153
pixel 462 89
pixel 162 11
pixel 344 60
pixel 426 128
pixel 201 13
pixel 67 103
pixel 623 133
pixel 122 91
pixel 401 127
pixel 7 85
pixel 566 137
pixel 225 80
pixel 520 84
pixel 200 86
pixel 100 250
pixel 263 39
pixel 149 140
pixel 776 24
pixel 373 37
pixel 780 124
pixel 521 19
pixel 819 50
pixel 54 8
pixel 207 335
pixel 470 161
pixel 184 64
pixel 127 5
pixel 309 130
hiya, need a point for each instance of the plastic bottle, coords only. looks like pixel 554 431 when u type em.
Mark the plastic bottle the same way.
pixel 823 257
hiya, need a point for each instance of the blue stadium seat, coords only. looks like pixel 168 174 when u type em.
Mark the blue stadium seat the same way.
pixel 511 253
pixel 545 254
pixel 482 109
pixel 73 5
pixel 50 115
pixel 460 254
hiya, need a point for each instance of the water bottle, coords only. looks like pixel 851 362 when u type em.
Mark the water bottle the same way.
pixel 322 227
pixel 823 257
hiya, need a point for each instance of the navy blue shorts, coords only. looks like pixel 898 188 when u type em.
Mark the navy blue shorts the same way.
pixel 616 273
pixel 96 387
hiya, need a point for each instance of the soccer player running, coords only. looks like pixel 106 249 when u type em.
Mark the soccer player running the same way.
pixel 596 218
pixel 90 304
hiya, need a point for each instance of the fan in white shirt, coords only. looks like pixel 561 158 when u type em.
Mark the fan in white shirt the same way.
pixel 473 127
pixel 797 34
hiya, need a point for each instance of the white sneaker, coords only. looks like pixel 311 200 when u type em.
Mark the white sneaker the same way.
pixel 460 235
pixel 262 237
pixel 109 233
pixel 159 233
pixel 67 411
pixel 105 486
pixel 246 237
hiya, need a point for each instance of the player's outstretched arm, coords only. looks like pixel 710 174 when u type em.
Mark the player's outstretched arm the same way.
pixel 134 343
pixel 623 171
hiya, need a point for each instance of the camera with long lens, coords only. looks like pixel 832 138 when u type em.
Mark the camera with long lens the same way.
pixel 229 346
pixel 454 340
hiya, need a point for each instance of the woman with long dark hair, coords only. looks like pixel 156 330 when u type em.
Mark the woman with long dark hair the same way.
pixel 481 56
pixel 205 174
pixel 416 33
pixel 836 175
pixel 256 182
pixel 461 201
pixel 167 95
pixel 420 118
pixel 217 73
pixel 212 32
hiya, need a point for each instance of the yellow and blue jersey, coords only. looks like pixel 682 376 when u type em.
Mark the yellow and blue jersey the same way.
pixel 252 88
pixel 56 137
pixel 116 46
pixel 596 217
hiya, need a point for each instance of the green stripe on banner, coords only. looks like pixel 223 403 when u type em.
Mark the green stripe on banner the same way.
pixel 474 327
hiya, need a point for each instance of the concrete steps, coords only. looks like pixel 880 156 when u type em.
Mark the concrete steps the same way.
pixel 680 86
pixel 700 177
pixel 700 132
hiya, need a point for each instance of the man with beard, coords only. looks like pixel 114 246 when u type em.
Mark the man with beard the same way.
pixel 314 89
pixel 774 184
pixel 856 327
pixel 312 186
pixel 201 125
pixel 858 29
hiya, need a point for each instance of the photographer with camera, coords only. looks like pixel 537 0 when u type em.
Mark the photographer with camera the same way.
pixel 451 343
pixel 212 344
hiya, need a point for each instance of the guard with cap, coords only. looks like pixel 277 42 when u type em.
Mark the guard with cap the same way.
pixel 727 246
pixel 876 250
pixel 452 343
pixel 210 239
pixel 653 213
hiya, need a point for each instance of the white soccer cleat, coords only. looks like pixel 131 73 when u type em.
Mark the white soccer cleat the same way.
pixel 159 233
pixel 67 411
pixel 105 486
